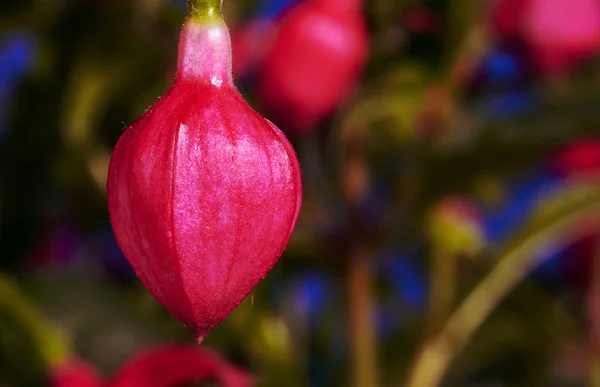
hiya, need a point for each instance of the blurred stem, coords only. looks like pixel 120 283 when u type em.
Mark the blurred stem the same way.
pixel 437 353
pixel 467 40
pixel 53 349
pixel 311 159
pixel 443 290
pixel 594 375
pixel 362 329
pixel 354 179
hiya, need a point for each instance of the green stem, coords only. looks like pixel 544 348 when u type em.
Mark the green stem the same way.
pixel 437 353
pixel 443 290
pixel 364 365
pixel 52 347
pixel 362 330
pixel 205 9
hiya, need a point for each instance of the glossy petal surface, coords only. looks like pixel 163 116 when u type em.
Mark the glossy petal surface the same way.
pixel 203 196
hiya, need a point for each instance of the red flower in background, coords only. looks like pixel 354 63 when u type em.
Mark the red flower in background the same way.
pixel 203 193
pixel 178 365
pixel 562 33
pixel 578 159
pixel 507 19
pixel 315 61
pixel 75 373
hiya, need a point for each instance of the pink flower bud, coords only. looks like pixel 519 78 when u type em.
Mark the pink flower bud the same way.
pixel 203 192
pixel 456 226
pixel 315 61
pixel 562 33
pixel 559 33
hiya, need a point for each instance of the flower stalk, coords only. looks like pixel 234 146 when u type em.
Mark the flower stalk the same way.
pixel 439 351
pixel 353 182
pixel 203 10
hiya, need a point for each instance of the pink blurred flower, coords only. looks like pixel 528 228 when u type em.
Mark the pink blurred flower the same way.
pixel 579 158
pixel 316 59
pixel 75 373
pixel 506 19
pixel 561 33
pixel 176 365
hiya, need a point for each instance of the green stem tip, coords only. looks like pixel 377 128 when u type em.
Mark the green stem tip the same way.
pixel 203 10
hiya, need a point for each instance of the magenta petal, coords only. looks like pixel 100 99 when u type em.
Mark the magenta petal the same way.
pixel 203 192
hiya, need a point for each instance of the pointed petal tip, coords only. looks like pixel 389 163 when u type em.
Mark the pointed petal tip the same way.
pixel 199 339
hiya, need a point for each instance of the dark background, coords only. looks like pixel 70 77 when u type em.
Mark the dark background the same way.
pixel 474 154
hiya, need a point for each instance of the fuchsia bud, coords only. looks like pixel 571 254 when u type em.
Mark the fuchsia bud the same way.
pixel 178 365
pixel 315 60
pixel 203 192
pixel 562 33
pixel 456 226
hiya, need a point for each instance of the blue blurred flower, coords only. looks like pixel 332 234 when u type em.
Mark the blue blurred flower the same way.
pixel 17 52
pixel 407 282
pixel 180 3
pixel 109 255
pixel 273 9
pixel 510 104
pixel 502 73
pixel 522 196
pixel 304 297
pixel 267 9
pixel 312 292
pixel 408 297
pixel 550 265
pixel 501 65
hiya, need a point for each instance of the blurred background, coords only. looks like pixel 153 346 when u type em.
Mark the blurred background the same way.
pixel 451 217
